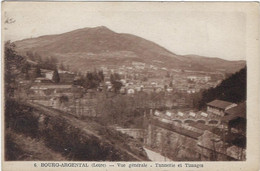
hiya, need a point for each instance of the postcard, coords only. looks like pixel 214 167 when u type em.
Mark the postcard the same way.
pixel 130 85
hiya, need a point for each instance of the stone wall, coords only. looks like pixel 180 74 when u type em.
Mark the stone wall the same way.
pixel 171 144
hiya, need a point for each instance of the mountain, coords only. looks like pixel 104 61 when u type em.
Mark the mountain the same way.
pixel 217 63
pixel 91 47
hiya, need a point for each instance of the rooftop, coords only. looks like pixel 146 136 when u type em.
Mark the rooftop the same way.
pixel 176 129
pixel 53 86
pixel 235 112
pixel 219 104
pixel 201 126
pixel 41 78
pixel 182 115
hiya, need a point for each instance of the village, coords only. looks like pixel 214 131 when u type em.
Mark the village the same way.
pixel 170 125
pixel 175 86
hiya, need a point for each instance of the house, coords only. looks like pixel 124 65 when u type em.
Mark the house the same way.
pixel 108 83
pixel 123 81
pixel 158 89
pixel 192 114
pixel 157 113
pixel 47 73
pixel 110 88
pixel 235 119
pixel 138 88
pixel 123 90
pixel 55 89
pixel 66 76
pixel 154 83
pixel 180 114
pixel 190 91
pixel 168 113
pixel 130 91
pixel 199 78
pixel 148 89
pixel 204 114
pixel 42 80
pixel 133 132
pixel 169 89
pixel 169 103
pixel 218 107
pixel 181 102
pixel 138 65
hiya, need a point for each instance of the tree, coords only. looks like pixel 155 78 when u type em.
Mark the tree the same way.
pixel 49 63
pixel 25 70
pixel 117 86
pixel 53 60
pixel 117 76
pixel 30 55
pixel 27 77
pixel 168 74
pixel 67 67
pixel 112 78
pixel 38 58
pixel 63 99
pixel 115 81
pixel 232 89
pixel 13 64
pixel 38 72
pixel 145 79
pixel 56 77
pixel 170 85
pixel 61 67
pixel 91 80
pixel 101 75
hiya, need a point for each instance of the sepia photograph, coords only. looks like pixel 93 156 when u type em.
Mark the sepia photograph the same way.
pixel 111 81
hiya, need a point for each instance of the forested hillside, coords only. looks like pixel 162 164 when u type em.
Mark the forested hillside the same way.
pixel 232 89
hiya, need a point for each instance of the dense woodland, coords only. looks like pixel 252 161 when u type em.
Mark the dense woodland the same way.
pixel 232 89
pixel 13 64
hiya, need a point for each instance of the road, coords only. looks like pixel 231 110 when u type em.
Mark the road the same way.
pixel 154 156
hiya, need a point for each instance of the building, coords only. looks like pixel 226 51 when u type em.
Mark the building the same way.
pixel 199 78
pixel 133 132
pixel 130 91
pixel 218 107
pixel 211 148
pixel 190 136
pixel 148 89
pixel 47 73
pixel 42 80
pixel 55 89
pixel 123 90
pixel 190 91
pixel 158 89
pixel 235 119
pixel 66 76
pixel 169 89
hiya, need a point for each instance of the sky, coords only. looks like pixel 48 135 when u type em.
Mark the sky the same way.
pixel 205 29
